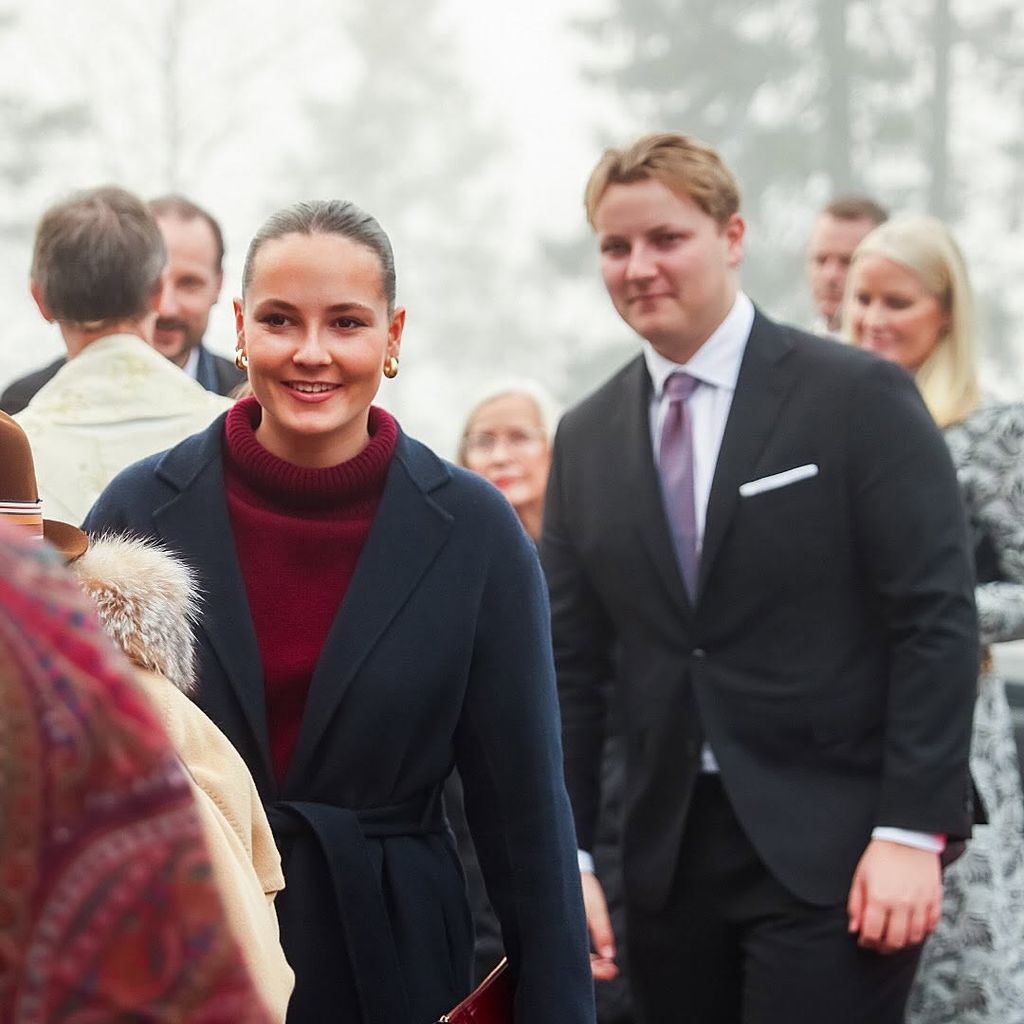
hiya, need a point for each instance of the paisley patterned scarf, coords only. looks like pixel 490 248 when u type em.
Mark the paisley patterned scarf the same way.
pixel 108 910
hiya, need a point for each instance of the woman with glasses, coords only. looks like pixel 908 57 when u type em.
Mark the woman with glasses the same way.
pixel 372 617
pixel 507 440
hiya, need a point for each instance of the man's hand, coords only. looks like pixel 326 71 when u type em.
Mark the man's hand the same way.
pixel 602 963
pixel 896 896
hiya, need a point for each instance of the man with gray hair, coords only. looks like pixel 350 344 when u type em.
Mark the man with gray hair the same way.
pixel 192 277
pixel 97 271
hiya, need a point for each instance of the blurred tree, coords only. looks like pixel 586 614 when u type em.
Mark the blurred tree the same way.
pixel 837 73
pixel 30 133
pixel 399 132
pixel 938 151
pixel 737 75
pixel 805 100
pixel 986 176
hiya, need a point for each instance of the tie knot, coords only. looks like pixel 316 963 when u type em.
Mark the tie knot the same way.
pixel 680 386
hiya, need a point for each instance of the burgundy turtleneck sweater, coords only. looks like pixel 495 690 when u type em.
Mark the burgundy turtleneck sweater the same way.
pixel 298 533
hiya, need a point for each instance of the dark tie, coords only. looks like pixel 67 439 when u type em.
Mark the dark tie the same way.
pixel 675 465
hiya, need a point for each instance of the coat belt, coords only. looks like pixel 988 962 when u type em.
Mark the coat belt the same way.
pixel 340 833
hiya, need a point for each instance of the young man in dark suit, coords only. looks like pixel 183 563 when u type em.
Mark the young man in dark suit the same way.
pixel 766 528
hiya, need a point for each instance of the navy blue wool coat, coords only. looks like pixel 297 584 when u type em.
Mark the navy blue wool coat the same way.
pixel 438 656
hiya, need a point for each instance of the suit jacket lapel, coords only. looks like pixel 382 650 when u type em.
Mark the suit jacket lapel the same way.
pixel 761 390
pixel 197 521
pixel 643 487
pixel 206 371
pixel 408 531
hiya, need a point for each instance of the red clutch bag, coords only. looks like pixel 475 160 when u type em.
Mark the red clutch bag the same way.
pixel 489 1003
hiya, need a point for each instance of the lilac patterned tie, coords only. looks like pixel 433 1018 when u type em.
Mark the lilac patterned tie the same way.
pixel 675 465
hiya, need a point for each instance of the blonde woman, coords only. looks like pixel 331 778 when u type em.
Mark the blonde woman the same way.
pixel 908 298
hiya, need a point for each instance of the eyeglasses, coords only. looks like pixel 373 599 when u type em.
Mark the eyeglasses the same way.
pixel 516 441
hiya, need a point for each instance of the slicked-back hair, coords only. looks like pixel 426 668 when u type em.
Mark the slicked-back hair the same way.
pixel 175 205
pixel 98 257
pixel 681 163
pixel 854 207
pixel 328 217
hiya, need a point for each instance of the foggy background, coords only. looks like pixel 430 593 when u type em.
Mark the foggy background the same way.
pixel 468 128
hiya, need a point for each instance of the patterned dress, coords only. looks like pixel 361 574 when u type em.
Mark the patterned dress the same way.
pixel 972 969
pixel 108 910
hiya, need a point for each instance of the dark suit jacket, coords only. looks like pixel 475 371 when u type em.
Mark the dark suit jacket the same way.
pixel 215 373
pixel 19 393
pixel 439 654
pixel 831 655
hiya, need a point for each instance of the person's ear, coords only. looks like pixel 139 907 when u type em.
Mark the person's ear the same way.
pixel 395 329
pixel 157 296
pixel 239 324
pixel 37 296
pixel 735 232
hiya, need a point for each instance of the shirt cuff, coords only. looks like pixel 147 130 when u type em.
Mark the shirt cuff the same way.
pixel 586 861
pixel 929 841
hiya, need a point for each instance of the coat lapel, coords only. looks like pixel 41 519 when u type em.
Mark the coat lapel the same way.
pixel 408 531
pixel 643 487
pixel 197 521
pixel 206 371
pixel 761 390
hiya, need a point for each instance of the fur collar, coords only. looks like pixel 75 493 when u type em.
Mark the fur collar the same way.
pixel 147 602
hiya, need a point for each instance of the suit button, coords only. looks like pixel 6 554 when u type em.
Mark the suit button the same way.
pixel 699 652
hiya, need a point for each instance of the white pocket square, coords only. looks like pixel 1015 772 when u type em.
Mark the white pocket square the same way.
pixel 777 480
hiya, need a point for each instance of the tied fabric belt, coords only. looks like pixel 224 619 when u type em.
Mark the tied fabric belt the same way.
pixel 340 833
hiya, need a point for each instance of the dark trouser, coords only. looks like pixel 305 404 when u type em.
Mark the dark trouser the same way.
pixel 732 946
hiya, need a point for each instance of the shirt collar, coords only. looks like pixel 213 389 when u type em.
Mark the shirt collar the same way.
pixel 717 361
pixel 191 366
pixel 822 329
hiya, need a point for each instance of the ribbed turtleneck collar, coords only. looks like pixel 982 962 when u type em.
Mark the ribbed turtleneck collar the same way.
pixel 286 485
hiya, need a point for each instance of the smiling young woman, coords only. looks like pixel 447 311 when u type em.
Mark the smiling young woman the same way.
pixel 316 328
pixel 373 617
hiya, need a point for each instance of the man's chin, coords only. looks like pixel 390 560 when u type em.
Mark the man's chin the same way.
pixel 660 332
pixel 172 348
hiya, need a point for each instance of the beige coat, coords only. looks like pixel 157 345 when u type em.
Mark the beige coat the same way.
pixel 116 402
pixel 146 601
pixel 246 864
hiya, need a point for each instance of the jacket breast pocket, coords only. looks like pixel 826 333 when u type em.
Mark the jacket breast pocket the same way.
pixel 780 480
pixel 785 522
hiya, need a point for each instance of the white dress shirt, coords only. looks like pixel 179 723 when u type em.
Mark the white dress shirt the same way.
pixel 191 366
pixel 716 364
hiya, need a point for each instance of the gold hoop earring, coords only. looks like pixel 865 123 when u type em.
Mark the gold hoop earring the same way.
pixel 241 359
pixel 391 367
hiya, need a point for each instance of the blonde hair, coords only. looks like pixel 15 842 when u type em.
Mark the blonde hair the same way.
pixel 948 378
pixel 681 163
pixel 525 387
